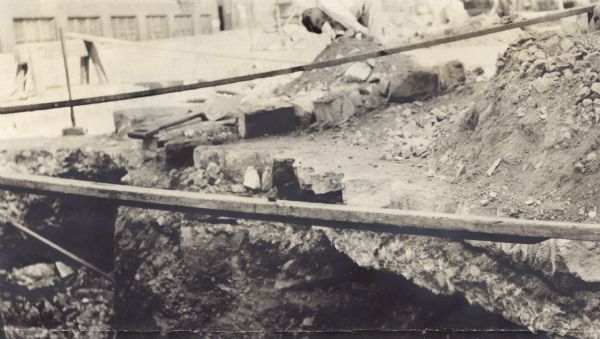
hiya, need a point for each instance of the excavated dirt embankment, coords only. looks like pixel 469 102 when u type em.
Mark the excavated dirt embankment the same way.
pixel 44 293
pixel 191 272
pixel 217 275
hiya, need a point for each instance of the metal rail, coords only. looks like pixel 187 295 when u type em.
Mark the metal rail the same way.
pixel 302 68
pixel 335 216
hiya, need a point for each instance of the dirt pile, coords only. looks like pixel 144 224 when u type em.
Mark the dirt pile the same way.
pixel 539 115
pixel 333 77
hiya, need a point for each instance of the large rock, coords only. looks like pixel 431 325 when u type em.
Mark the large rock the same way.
pixel 304 107
pixel 358 72
pixel 220 107
pixel 411 86
pixel 252 178
pixel 337 107
pixel 451 74
pixel 35 276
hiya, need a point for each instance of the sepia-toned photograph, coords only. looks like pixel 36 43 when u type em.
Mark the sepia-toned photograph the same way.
pixel 299 169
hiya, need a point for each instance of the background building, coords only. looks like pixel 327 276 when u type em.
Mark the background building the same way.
pixel 26 21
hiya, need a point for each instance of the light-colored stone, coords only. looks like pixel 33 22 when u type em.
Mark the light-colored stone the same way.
pixel 542 85
pixel 451 74
pixel 358 72
pixel 34 276
pixel 251 178
pixel 237 160
pixel 337 107
pixel 566 44
pixel 584 92
pixel 596 87
pixel 220 107
pixel 304 107
pixel 327 183
pixel 494 167
pixel 64 271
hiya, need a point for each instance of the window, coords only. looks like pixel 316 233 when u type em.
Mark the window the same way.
pixel 125 27
pixel 183 25
pixel 85 25
pixel 205 23
pixel 158 26
pixel 34 30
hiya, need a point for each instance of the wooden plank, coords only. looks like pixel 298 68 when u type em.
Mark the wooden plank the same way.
pixel 302 68
pixel 337 216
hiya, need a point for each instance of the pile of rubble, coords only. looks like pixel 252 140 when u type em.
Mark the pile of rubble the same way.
pixel 318 99
pixel 539 117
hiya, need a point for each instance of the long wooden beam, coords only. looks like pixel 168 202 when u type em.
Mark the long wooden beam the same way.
pixel 303 68
pixel 337 216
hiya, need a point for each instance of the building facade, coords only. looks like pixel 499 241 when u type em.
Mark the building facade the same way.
pixel 27 21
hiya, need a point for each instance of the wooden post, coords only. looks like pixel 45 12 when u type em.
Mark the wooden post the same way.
pixel 62 45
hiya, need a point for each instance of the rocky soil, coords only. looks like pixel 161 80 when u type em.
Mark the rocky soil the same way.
pixel 43 293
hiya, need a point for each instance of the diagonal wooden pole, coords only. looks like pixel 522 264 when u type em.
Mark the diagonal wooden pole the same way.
pixel 56 247
pixel 64 55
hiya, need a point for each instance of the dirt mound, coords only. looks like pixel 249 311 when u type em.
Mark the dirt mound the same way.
pixel 332 77
pixel 539 116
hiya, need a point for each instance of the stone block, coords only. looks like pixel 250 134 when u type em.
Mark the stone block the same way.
pixel 404 87
pixel 451 74
pixel 304 108
pixel 267 121
pixel 358 72
pixel 337 107
pixel 221 107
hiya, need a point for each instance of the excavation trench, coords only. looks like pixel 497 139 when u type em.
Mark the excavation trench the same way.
pixel 197 273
